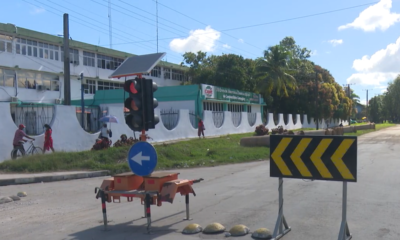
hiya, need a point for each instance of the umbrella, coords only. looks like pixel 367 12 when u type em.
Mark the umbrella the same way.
pixel 363 118
pixel 110 119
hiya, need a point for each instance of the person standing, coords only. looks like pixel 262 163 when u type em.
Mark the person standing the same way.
pixel 19 138
pixel 48 140
pixel 200 128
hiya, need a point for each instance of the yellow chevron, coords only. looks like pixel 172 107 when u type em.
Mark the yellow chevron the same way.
pixel 296 157
pixel 277 156
pixel 337 159
pixel 316 158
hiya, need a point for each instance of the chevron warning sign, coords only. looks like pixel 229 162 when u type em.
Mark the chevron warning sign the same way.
pixel 314 157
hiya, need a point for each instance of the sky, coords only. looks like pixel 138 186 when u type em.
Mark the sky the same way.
pixel 357 41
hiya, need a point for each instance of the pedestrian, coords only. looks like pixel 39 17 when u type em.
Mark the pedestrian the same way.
pixel 104 132
pixel 19 138
pixel 201 128
pixel 48 140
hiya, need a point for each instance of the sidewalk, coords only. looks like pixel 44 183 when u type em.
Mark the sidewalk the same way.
pixel 25 178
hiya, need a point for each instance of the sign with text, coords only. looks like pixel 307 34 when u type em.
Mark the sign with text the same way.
pixel 228 94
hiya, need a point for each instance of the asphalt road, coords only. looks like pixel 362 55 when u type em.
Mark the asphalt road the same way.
pixel 233 194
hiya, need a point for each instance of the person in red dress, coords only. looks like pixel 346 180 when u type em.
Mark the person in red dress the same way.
pixel 48 140
pixel 201 128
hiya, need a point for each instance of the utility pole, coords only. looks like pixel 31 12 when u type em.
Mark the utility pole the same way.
pixel 348 95
pixel 316 101
pixel 366 104
pixel 82 101
pixel 67 77
pixel 157 22
pixel 109 22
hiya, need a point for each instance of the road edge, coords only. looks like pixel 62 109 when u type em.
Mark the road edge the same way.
pixel 53 178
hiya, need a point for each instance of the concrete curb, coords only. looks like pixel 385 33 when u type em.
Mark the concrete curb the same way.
pixel 52 178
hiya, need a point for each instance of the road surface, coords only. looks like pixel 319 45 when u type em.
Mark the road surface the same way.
pixel 230 195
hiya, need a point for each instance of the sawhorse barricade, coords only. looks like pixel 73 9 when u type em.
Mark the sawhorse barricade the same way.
pixel 331 158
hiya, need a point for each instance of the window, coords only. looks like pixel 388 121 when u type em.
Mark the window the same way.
pixel 249 108
pixel 235 108
pixel 5 43
pixel 90 87
pixel 177 75
pixel 106 62
pixel 167 73
pixel 213 106
pixel 101 85
pixel 89 59
pixel 8 77
pixel 31 48
pixel 73 55
pixel 30 80
pixel 156 72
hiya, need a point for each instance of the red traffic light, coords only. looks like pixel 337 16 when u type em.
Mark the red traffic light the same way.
pixel 130 86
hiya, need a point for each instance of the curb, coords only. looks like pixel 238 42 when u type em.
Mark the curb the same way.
pixel 52 178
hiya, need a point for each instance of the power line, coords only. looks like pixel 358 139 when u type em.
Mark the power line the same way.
pixel 206 24
pixel 295 18
pixel 183 27
pixel 102 30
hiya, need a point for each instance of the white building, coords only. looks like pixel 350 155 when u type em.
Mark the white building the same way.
pixel 31 67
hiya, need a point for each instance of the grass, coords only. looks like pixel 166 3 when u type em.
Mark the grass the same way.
pixel 378 126
pixel 186 154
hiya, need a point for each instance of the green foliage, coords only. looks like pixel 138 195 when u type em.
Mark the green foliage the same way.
pixel 192 153
pixel 284 76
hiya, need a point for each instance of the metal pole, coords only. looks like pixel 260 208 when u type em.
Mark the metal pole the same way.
pixel 344 232
pixel 187 207
pixel 349 94
pixel 316 100
pixel 279 232
pixel 82 101
pixel 157 22
pixel 148 214
pixel 67 80
pixel 103 206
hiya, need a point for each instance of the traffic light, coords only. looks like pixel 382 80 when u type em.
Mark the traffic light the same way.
pixel 151 119
pixel 141 104
pixel 134 103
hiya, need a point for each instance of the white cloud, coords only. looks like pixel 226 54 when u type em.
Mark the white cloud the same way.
pixel 226 46
pixel 240 40
pixel 336 42
pixel 198 40
pixel 381 67
pixel 377 16
pixel 36 11
pixel 374 78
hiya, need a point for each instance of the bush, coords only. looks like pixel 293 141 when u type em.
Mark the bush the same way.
pixel 261 130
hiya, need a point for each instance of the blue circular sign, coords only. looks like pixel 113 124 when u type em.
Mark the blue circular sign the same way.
pixel 142 158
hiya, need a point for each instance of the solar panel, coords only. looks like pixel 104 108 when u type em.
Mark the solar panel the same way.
pixel 137 65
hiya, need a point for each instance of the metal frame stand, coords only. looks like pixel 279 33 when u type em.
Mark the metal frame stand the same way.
pixel 103 207
pixel 344 232
pixel 187 207
pixel 148 213
pixel 279 231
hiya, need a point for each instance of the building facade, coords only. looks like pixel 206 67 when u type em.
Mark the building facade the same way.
pixel 31 67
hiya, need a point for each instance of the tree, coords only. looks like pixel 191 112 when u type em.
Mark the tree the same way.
pixel 274 71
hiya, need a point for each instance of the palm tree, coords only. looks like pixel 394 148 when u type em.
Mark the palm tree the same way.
pixel 274 71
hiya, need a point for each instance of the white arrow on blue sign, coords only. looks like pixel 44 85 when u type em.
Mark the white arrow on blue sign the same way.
pixel 142 158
